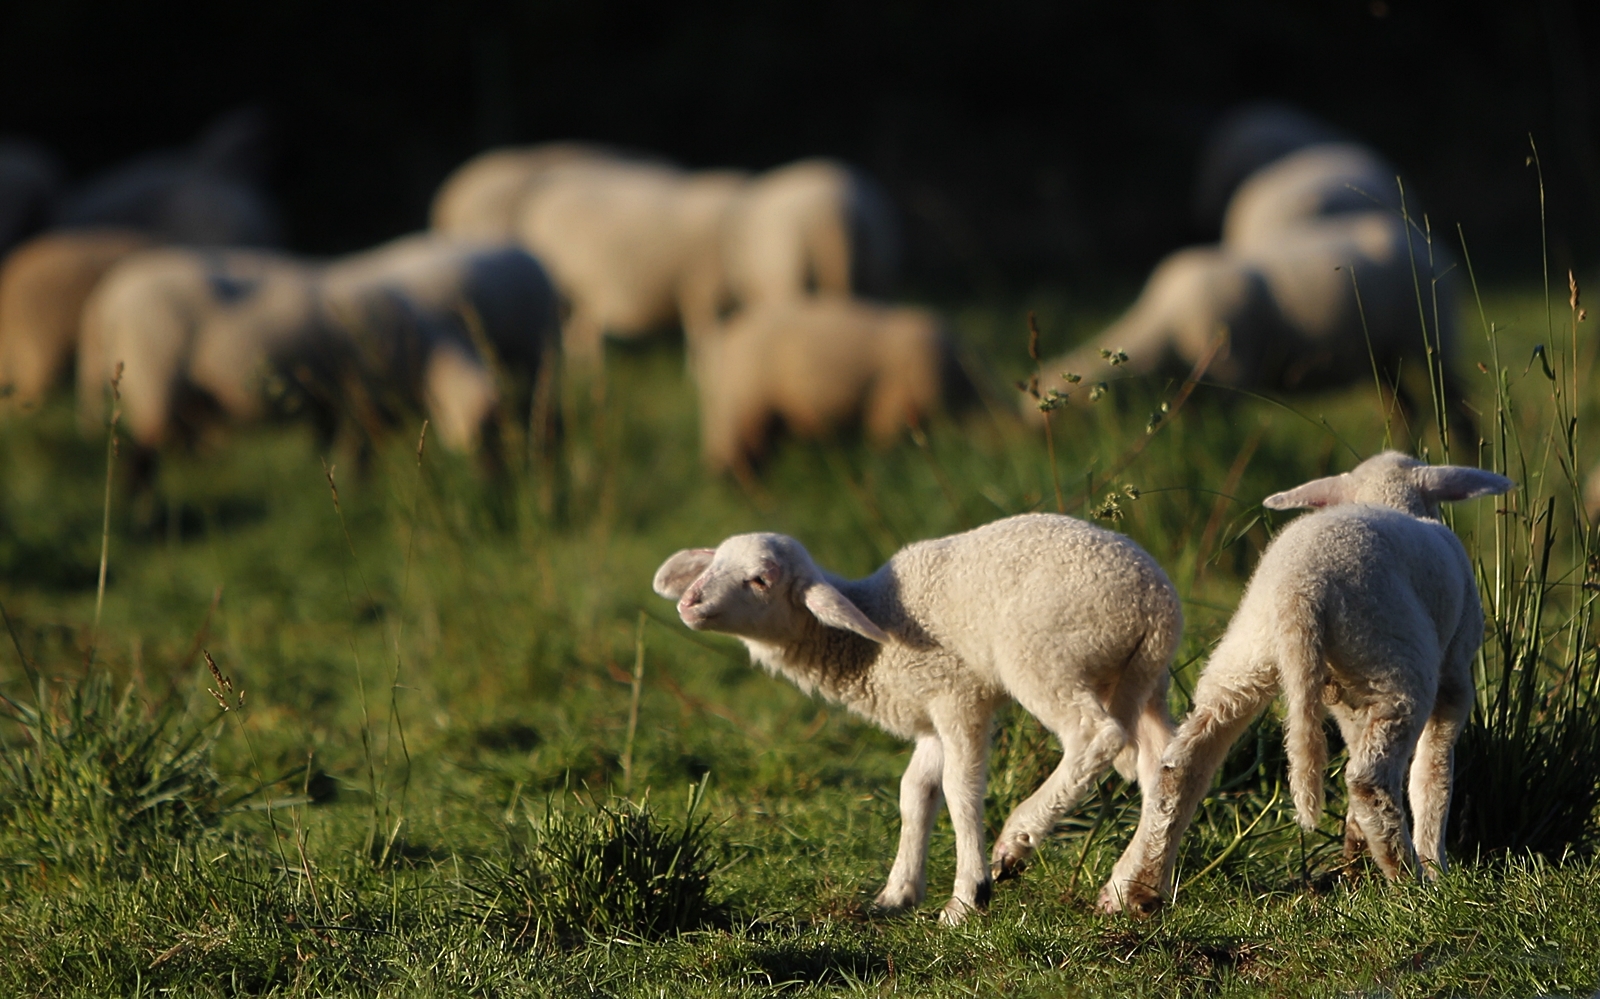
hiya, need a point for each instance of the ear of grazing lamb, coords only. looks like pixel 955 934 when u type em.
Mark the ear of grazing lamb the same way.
pixel 836 610
pixel 1451 483
pixel 677 572
pixel 1331 491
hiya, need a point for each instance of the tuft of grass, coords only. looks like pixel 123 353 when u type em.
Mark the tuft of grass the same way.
pixel 92 780
pixel 612 870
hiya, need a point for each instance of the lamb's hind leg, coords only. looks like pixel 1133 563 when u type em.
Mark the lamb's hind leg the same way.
pixel 919 806
pixel 1433 767
pixel 1090 740
pixel 1380 745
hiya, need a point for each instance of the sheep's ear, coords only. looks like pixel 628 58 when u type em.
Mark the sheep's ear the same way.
pixel 1450 483
pixel 835 610
pixel 1317 493
pixel 677 572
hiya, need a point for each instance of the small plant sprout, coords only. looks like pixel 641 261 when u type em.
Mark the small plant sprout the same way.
pixel 1115 358
pixel 1157 417
pixel 1097 391
pixel 224 685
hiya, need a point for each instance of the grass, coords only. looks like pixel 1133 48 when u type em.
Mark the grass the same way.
pixel 422 792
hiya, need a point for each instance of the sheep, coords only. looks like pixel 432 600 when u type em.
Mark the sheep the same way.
pixel 816 364
pixel 424 311
pixel 1074 622
pixel 209 194
pixel 480 199
pixel 618 237
pixel 43 285
pixel 815 227
pixel 1243 141
pixel 1367 606
pixel 220 325
pixel 1306 186
pixel 1313 306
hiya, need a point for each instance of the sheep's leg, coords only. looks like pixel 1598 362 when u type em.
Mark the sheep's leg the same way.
pixel 965 737
pixel 920 797
pixel 1090 740
pixel 1380 745
pixel 1433 768
pixel 1226 699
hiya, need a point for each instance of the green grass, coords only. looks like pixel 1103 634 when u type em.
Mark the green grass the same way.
pixel 420 794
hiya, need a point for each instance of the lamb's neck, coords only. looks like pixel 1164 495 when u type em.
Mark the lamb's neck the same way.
pixel 835 663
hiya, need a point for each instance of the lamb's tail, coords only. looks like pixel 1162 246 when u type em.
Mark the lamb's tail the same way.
pixel 1303 671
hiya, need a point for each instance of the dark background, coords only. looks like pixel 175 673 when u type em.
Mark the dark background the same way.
pixel 1023 142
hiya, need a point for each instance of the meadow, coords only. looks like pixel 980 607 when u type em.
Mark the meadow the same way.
pixel 454 745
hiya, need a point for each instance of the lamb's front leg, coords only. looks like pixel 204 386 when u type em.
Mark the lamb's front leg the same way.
pixel 919 806
pixel 966 764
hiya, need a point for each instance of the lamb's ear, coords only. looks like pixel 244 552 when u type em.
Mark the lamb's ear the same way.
pixel 677 572
pixel 1331 491
pixel 835 610
pixel 1450 483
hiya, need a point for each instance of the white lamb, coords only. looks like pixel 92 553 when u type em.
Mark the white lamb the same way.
pixel 1074 622
pixel 1369 607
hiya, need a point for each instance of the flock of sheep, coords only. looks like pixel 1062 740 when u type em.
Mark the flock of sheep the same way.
pixel 156 279
pixel 161 274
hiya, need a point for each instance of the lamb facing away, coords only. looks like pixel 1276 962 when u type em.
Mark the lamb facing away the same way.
pixel 1076 623
pixel 43 285
pixel 815 364
pixel 1368 606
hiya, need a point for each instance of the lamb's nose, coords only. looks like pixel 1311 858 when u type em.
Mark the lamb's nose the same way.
pixel 690 598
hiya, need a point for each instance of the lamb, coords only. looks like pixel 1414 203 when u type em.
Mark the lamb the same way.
pixel 816 364
pixel 1368 606
pixel 43 285
pixel 1074 622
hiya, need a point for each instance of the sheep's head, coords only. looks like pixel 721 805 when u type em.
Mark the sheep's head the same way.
pixel 758 586
pixel 1394 480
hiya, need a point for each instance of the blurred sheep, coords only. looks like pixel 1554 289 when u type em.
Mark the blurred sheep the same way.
pixel 480 198
pixel 1244 140
pixel 194 331
pixel 207 195
pixel 30 180
pixel 815 227
pixel 817 365
pixel 43 286
pixel 1319 279
pixel 428 313
pixel 618 237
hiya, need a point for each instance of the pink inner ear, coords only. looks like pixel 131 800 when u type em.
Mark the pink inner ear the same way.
pixel 772 570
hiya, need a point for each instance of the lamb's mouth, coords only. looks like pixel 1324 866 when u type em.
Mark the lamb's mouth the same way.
pixel 696 619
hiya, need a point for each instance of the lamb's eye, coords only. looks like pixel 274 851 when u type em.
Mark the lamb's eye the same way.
pixel 760 583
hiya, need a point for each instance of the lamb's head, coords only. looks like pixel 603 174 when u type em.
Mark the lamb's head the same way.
pixel 1394 480
pixel 758 586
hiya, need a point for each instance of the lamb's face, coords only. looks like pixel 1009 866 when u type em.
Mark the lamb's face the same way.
pixel 750 588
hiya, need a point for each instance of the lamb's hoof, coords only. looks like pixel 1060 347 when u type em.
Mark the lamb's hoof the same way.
pixel 1011 857
pixel 955 912
pixel 891 902
pixel 1138 901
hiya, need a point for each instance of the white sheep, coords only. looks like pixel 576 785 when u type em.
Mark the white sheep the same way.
pixel 217 324
pixel 1311 306
pixel 480 199
pixel 1074 622
pixel 814 227
pixel 1307 186
pixel 816 364
pixel 618 237
pixel 43 285
pixel 1368 606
